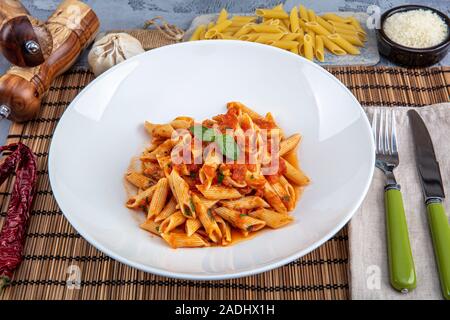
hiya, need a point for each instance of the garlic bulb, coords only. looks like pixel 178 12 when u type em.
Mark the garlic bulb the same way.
pixel 111 50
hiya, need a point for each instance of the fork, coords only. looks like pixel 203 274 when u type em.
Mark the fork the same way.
pixel 401 263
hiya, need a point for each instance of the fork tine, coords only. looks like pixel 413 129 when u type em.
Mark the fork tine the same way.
pixel 380 133
pixel 374 128
pixel 393 133
pixel 387 144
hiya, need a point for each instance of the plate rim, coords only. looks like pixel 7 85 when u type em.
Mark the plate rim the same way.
pixel 224 276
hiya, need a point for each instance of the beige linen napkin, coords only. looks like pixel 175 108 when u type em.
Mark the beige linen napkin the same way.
pixel 369 276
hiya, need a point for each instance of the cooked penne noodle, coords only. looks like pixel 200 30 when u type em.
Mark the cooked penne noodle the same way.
pixel 206 218
pixel 182 240
pixel 317 28
pixel 272 218
pixel 138 180
pixel 180 190
pixel 170 223
pixel 273 199
pixel 344 44
pixel 151 226
pixel 290 203
pixel 140 199
pixel 192 226
pixel 296 175
pixel 271 13
pixel 181 124
pixel 223 15
pixel 253 115
pixel 289 144
pixel 169 208
pixel 332 47
pixel 319 51
pixel 239 220
pixel 159 198
pixel 225 230
pixel 250 202
pixel 283 194
pixel 197 35
pixel 218 192
pixel 293 16
pixel 162 131
pixel 218 28
pixel 308 47
pixel 303 12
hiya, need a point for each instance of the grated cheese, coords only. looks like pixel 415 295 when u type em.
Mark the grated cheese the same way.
pixel 416 28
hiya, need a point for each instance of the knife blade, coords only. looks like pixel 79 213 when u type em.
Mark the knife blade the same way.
pixel 433 190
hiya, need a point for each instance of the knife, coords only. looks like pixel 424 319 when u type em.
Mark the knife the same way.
pixel 433 190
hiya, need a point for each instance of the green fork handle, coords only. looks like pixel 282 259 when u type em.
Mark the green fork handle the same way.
pixel 440 232
pixel 401 263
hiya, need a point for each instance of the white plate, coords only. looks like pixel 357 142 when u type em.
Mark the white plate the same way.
pixel 102 129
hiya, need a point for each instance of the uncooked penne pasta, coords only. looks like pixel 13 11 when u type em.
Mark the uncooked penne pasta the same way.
pixel 159 198
pixel 289 144
pixel 140 199
pixel 293 16
pixel 151 226
pixel 245 19
pixel 262 28
pixel 354 22
pixel 223 15
pixel 332 47
pixel 138 180
pixel 244 30
pixel 271 13
pixel 250 202
pixel 265 37
pixel 319 49
pixel 217 192
pixel 182 240
pixel 344 44
pixel 335 17
pixel 170 223
pixel 317 28
pixel 272 218
pixel 311 15
pixel 308 47
pixel 296 175
pixel 303 12
pixel 283 44
pixel 198 32
pixel 206 218
pixel 240 220
pixel 249 37
pixel 354 40
pixel 329 27
pixel 292 36
pixel 180 190
pixel 217 29
pixel 170 208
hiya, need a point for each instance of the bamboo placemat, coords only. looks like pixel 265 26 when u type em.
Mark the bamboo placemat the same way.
pixel 52 245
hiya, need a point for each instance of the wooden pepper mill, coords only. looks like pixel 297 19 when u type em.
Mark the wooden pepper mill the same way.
pixel 73 26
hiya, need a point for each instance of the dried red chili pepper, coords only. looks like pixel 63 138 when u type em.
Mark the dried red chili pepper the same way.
pixel 12 236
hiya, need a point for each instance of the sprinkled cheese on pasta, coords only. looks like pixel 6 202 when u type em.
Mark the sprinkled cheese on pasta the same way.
pixel 416 28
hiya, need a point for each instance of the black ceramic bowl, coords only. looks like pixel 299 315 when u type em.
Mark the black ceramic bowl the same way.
pixel 411 57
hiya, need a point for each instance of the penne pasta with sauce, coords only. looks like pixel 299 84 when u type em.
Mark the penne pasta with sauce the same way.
pixel 215 201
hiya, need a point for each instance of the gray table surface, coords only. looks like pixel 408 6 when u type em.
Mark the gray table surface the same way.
pixel 128 14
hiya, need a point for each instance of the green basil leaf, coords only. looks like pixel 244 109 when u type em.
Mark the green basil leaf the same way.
pixel 228 146
pixel 220 177
pixel 203 133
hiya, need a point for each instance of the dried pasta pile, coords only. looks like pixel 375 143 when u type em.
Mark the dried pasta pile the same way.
pixel 219 195
pixel 301 31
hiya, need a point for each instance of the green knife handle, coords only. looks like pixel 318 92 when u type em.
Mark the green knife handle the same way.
pixel 440 232
pixel 401 263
